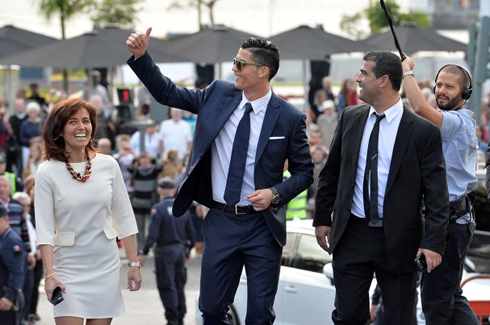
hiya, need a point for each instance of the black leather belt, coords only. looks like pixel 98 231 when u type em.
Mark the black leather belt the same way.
pixel 234 209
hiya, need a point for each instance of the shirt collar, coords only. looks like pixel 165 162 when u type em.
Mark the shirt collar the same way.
pixel 391 112
pixel 258 104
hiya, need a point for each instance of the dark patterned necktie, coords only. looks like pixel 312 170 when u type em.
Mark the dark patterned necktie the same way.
pixel 238 159
pixel 371 173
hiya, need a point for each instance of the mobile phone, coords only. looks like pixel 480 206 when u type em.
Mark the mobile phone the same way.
pixel 421 262
pixel 57 296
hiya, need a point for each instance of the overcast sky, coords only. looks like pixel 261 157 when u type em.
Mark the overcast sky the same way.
pixel 260 17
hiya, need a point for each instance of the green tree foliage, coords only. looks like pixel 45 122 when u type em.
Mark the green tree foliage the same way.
pixel 377 21
pixel 66 9
pixel 116 12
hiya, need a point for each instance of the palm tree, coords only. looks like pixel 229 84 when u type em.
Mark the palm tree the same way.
pixel 66 9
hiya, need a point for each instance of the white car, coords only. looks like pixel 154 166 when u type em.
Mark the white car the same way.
pixel 306 293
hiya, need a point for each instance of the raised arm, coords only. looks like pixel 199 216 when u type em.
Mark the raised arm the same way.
pixel 415 97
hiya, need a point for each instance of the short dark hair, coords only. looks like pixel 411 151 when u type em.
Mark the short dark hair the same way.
pixel 464 75
pixel 54 145
pixel 386 63
pixel 264 52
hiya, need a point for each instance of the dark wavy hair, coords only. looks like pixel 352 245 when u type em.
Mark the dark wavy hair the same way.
pixel 54 144
pixel 264 52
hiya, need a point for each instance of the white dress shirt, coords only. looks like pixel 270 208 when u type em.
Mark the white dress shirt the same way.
pixel 223 145
pixel 388 129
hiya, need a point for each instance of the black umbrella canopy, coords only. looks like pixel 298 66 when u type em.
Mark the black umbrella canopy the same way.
pixel 308 43
pixel 414 39
pixel 212 45
pixel 15 40
pixel 99 48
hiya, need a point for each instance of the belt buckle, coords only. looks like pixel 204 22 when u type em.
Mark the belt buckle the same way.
pixel 236 210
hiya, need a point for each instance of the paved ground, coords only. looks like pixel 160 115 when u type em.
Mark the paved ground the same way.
pixel 144 306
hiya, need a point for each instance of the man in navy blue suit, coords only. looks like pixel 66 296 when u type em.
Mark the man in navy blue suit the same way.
pixel 244 134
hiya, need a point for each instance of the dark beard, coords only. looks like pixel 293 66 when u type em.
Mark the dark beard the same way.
pixel 451 104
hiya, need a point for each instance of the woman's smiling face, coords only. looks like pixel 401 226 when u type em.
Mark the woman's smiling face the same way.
pixel 77 131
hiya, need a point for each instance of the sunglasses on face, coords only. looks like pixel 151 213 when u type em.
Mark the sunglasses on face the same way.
pixel 239 64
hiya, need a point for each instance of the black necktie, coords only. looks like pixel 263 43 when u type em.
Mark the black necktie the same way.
pixel 238 159
pixel 371 201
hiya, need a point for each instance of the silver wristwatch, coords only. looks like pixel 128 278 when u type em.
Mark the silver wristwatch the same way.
pixel 134 264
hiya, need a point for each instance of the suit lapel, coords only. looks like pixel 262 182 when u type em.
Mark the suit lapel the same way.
pixel 270 119
pixel 358 129
pixel 402 140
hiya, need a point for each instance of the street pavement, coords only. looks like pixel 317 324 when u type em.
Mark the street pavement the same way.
pixel 143 307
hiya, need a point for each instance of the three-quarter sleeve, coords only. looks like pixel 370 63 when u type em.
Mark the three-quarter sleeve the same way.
pixel 123 217
pixel 44 207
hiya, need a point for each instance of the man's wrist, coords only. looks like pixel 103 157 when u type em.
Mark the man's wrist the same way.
pixel 408 73
pixel 276 197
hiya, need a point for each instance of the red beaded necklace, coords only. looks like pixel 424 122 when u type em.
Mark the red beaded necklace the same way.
pixel 76 175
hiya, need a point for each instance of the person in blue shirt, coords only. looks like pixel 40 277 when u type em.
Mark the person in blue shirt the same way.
pixel 171 237
pixel 442 297
pixel 12 259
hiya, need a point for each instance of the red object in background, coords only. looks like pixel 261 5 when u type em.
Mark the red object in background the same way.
pixel 124 95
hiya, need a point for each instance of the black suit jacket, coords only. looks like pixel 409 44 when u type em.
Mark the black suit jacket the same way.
pixel 283 136
pixel 417 173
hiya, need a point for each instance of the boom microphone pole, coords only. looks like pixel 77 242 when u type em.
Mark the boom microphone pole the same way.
pixel 390 23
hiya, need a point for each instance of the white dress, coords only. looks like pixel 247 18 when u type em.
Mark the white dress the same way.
pixel 81 221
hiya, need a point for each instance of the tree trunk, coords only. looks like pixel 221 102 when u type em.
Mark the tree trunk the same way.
pixel 63 36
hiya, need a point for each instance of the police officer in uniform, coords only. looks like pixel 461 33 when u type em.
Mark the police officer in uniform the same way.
pixel 171 237
pixel 12 259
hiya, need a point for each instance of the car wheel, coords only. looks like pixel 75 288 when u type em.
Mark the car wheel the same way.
pixel 232 316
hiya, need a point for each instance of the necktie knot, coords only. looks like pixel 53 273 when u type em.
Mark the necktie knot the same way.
pixel 379 117
pixel 248 108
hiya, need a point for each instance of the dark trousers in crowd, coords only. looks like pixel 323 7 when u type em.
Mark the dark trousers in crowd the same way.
pixel 27 292
pixel 171 278
pixel 38 275
pixel 442 297
pixel 142 223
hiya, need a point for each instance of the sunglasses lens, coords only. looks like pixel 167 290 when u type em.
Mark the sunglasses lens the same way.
pixel 237 64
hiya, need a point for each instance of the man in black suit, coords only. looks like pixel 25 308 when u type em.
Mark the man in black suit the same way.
pixel 246 224
pixel 384 160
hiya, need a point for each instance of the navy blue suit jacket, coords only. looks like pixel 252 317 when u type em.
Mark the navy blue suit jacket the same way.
pixel 283 136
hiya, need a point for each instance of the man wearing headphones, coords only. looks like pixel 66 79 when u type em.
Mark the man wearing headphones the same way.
pixel 442 299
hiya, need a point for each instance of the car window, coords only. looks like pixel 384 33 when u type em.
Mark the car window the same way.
pixel 288 249
pixel 309 255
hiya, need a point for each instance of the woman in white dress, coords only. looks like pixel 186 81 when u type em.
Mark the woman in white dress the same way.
pixel 81 206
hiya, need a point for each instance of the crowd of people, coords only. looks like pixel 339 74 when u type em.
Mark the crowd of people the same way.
pixel 307 175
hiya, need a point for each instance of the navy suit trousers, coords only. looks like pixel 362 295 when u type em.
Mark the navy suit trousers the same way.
pixel 230 243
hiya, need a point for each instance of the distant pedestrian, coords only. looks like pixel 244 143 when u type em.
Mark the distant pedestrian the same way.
pixel 171 238
pixel 12 259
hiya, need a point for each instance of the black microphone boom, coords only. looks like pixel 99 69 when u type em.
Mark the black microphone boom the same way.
pixel 390 23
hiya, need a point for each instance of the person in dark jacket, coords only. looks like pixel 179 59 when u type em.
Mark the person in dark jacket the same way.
pixel 12 259
pixel 170 237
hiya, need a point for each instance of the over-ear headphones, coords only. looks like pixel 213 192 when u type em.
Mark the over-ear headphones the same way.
pixel 467 90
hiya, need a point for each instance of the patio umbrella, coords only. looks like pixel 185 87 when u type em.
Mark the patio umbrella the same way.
pixel 414 39
pixel 100 48
pixel 211 45
pixel 15 40
pixel 306 43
